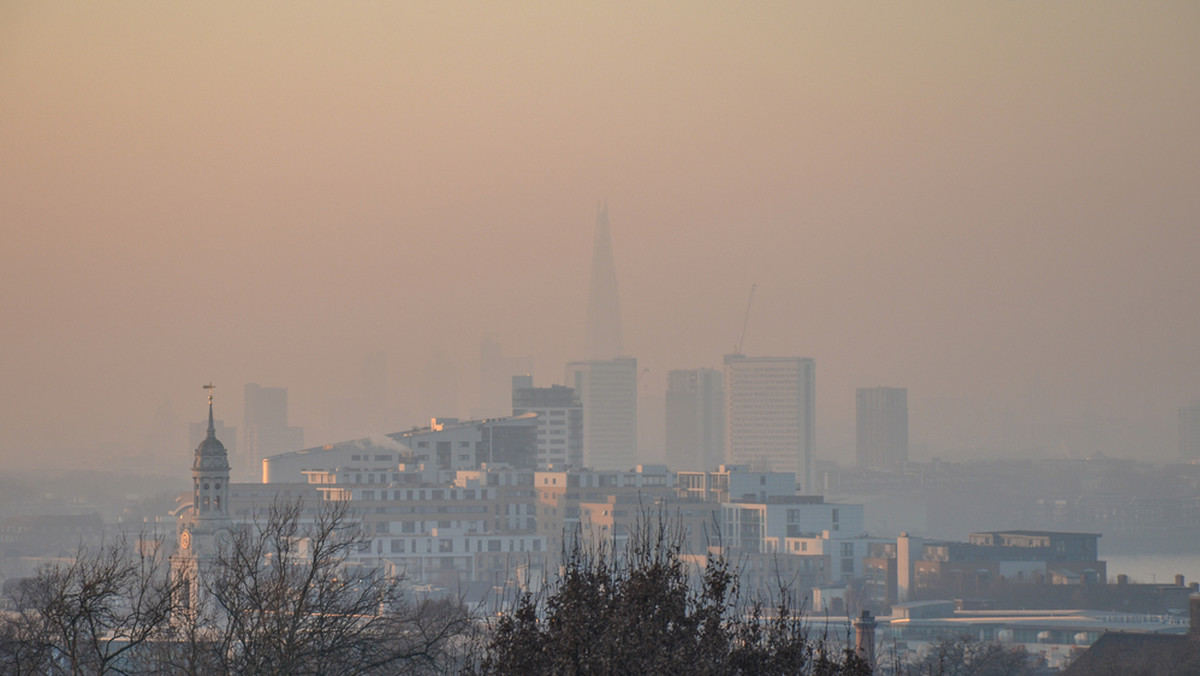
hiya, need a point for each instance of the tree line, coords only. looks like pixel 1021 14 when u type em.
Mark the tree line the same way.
pixel 281 596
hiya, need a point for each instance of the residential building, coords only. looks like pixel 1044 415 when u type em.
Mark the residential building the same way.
pixel 695 419
pixel 732 483
pixel 559 421
pixel 446 444
pixel 607 391
pixel 882 427
pixel 265 430
pixel 770 414
pixel 939 567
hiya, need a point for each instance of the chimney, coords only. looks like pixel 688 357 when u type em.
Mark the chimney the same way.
pixel 1179 580
pixel 864 633
pixel 1194 606
pixel 1122 579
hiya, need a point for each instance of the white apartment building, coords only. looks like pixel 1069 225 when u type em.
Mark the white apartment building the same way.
pixel 770 413
pixel 607 390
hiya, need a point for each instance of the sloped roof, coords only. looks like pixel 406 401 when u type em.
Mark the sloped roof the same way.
pixel 1138 654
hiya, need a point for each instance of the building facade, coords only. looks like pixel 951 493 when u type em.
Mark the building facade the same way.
pixel 559 421
pixel 265 430
pixel 770 414
pixel 607 391
pixel 882 427
pixel 695 417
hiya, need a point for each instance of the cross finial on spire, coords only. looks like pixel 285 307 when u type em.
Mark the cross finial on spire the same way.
pixel 212 430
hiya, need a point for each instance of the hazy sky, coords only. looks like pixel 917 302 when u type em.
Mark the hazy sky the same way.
pixel 992 204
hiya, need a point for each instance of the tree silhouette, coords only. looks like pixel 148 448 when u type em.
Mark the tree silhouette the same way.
pixel 643 611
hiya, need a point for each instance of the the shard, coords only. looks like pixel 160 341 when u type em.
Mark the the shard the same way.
pixel 604 306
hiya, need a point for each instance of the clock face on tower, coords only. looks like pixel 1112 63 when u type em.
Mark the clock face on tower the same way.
pixel 185 539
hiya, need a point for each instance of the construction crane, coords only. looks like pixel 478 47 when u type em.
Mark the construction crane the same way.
pixel 737 349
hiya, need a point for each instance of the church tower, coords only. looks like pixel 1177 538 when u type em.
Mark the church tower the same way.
pixel 206 522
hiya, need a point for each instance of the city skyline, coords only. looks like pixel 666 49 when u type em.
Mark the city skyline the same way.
pixel 993 207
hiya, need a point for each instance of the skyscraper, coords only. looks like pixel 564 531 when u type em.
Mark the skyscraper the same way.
pixel 607 389
pixel 769 414
pixel 882 423
pixel 695 417
pixel 266 429
pixel 604 306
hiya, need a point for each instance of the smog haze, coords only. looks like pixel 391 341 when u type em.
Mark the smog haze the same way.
pixel 994 206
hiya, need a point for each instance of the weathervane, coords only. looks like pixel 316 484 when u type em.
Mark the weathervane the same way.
pixel 210 387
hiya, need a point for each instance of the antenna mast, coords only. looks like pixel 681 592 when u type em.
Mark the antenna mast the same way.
pixel 737 349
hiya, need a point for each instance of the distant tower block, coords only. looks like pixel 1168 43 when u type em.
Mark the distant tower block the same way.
pixel 695 417
pixel 769 414
pixel 882 427
pixel 607 390
pixel 604 305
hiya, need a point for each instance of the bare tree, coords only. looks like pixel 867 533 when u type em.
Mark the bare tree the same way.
pixel 286 600
pixel 967 656
pixel 280 597
pixel 93 616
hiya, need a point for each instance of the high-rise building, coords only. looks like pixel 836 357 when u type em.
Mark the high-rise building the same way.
pixel 607 390
pixel 266 430
pixel 695 420
pixel 604 306
pixel 770 413
pixel 559 421
pixel 882 439
pixel 1189 432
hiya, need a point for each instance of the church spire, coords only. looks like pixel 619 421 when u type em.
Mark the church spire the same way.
pixel 212 429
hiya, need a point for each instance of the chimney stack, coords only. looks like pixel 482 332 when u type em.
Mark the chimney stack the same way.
pixel 1194 606
pixel 864 633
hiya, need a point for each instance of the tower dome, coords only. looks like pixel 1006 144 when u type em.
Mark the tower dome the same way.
pixel 211 454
